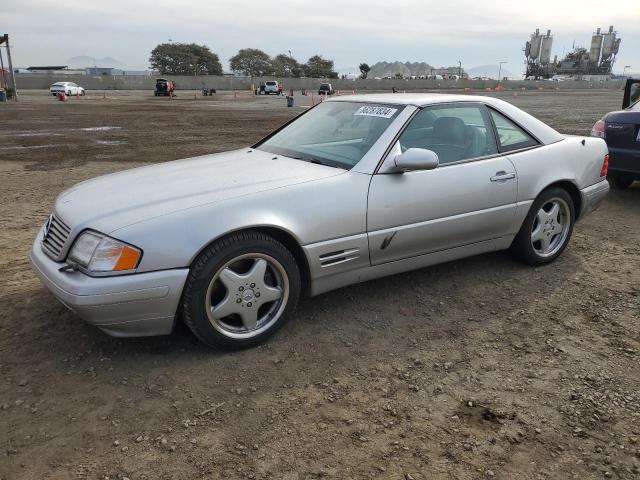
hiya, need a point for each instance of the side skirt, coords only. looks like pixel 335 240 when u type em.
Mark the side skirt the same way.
pixel 365 273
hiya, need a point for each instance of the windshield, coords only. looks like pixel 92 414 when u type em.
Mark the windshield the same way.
pixel 338 134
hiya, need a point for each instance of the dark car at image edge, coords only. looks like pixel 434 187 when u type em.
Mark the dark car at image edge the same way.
pixel 621 131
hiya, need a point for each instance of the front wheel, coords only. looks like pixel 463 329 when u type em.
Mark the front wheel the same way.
pixel 241 290
pixel 547 228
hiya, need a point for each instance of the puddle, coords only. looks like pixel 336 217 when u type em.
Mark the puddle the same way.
pixel 99 129
pixel 35 134
pixel 111 142
pixel 33 147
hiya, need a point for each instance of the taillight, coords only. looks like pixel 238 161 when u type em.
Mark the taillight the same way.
pixel 605 166
pixel 598 129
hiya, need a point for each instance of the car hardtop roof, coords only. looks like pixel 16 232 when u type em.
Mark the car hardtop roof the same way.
pixel 415 99
pixel 540 130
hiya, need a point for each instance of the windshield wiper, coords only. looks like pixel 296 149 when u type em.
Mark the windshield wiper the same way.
pixel 318 162
pixel 314 160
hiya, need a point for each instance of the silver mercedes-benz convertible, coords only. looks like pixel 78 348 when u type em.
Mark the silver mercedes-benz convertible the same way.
pixel 355 188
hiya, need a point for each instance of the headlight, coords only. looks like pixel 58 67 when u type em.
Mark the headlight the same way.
pixel 99 253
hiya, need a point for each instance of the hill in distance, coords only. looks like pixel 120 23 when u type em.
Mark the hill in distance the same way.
pixel 489 71
pixel 407 69
pixel 84 61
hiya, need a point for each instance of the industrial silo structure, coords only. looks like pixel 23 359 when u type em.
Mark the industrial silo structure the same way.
pixel 538 54
pixel 595 61
pixel 536 41
pixel 608 44
pixel 596 47
pixel 545 48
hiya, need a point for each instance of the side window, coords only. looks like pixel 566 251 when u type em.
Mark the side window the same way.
pixel 454 132
pixel 510 136
pixel 634 93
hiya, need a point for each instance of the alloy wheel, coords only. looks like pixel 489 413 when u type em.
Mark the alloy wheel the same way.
pixel 551 227
pixel 247 295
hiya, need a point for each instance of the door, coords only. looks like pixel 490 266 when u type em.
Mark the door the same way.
pixel 469 198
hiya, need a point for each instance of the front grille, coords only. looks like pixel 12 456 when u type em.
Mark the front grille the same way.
pixel 55 238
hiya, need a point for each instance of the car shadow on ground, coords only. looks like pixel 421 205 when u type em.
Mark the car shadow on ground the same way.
pixel 342 312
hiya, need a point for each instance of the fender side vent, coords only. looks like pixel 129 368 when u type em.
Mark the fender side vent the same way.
pixel 338 256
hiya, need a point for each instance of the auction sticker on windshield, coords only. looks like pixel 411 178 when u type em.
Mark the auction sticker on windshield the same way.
pixel 376 111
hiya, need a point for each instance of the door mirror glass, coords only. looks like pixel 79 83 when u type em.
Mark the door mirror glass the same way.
pixel 416 159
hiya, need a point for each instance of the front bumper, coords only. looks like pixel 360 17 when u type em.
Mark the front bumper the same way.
pixel 593 196
pixel 137 305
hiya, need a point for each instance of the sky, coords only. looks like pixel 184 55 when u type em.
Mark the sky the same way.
pixel 438 32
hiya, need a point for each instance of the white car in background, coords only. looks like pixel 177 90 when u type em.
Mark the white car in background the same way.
pixel 69 88
pixel 271 86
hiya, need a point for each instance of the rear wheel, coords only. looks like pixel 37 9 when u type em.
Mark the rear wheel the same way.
pixel 620 182
pixel 241 290
pixel 547 228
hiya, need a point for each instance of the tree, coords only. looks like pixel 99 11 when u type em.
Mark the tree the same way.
pixel 364 70
pixel 286 66
pixel 251 62
pixel 318 67
pixel 185 59
pixel 399 76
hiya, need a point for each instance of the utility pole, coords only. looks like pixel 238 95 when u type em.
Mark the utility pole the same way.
pixel 500 71
pixel 4 78
pixel 291 65
pixel 5 39
pixel 460 69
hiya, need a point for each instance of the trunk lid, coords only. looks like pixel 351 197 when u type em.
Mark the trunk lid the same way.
pixel 622 129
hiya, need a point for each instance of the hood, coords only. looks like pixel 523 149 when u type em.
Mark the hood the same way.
pixel 120 199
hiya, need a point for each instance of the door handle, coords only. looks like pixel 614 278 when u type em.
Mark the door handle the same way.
pixel 502 176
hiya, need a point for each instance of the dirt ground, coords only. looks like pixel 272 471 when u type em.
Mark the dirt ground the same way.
pixel 480 368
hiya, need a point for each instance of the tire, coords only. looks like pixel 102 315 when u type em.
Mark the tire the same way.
pixel 68 93
pixel 620 182
pixel 259 266
pixel 544 234
pixel 82 93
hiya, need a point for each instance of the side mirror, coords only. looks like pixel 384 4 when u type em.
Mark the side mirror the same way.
pixel 416 159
